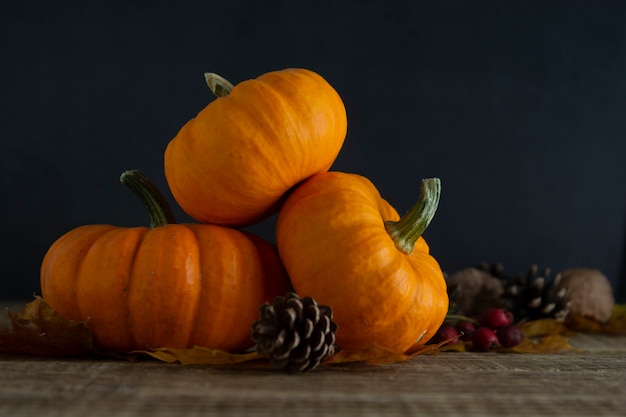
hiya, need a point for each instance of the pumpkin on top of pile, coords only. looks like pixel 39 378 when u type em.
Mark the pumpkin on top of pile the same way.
pixel 262 147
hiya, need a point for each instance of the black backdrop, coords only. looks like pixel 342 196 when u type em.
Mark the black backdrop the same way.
pixel 518 106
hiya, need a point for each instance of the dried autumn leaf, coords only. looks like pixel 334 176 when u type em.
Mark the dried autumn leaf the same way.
pixel 460 346
pixel 542 336
pixel 546 344
pixel 616 324
pixel 378 355
pixel 373 355
pixel 544 327
pixel 443 346
pixel 199 355
pixel 39 330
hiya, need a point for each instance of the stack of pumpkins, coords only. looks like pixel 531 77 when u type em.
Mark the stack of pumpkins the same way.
pixel 264 146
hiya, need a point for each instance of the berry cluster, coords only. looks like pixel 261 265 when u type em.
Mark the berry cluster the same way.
pixel 494 328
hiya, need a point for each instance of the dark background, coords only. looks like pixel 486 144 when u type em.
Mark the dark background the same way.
pixel 518 106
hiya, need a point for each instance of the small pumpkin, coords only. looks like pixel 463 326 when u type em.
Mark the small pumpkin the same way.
pixel 347 247
pixel 170 285
pixel 233 162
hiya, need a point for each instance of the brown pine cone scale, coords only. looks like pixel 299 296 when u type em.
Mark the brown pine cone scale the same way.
pixel 296 333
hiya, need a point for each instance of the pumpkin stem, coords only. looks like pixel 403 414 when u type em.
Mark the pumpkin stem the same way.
pixel 219 85
pixel 410 227
pixel 158 210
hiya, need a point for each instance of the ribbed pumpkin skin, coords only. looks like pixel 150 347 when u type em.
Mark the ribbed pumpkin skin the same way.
pixel 333 243
pixel 172 286
pixel 235 160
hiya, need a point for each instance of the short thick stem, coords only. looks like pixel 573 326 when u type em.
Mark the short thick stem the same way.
pixel 158 210
pixel 219 85
pixel 406 231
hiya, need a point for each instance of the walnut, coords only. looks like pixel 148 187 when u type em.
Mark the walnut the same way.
pixel 472 290
pixel 590 293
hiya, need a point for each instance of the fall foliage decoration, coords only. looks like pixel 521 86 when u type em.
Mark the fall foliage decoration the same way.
pixel 168 285
pixel 347 247
pixel 40 330
pixel 210 294
pixel 575 294
pixel 544 311
pixel 533 295
pixel 492 329
pixel 233 162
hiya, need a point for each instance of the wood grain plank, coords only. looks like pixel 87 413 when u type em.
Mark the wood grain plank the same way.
pixel 590 380
pixel 447 384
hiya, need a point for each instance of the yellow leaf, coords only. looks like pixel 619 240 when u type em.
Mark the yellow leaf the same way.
pixel 543 327
pixel 39 330
pixel 546 344
pixel 460 346
pixel 199 355
pixel 616 324
pixel 373 355
pixel 378 355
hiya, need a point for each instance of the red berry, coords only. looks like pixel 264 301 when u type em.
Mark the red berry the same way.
pixel 509 336
pixel 446 333
pixel 467 328
pixel 484 339
pixel 496 317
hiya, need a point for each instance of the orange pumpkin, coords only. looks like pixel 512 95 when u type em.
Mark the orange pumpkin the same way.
pixel 235 160
pixel 171 285
pixel 347 247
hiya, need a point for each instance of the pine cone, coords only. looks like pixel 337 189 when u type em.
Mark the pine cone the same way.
pixel 533 295
pixel 296 333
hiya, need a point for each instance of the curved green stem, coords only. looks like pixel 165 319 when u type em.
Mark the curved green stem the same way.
pixel 410 227
pixel 158 210
pixel 219 85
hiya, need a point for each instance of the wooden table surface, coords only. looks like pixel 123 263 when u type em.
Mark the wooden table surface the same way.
pixel 588 381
